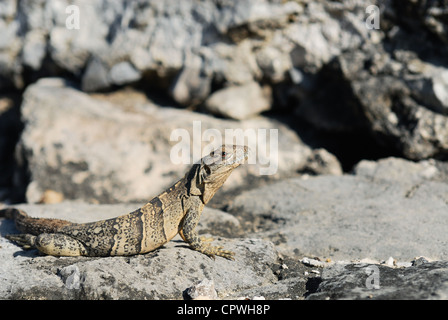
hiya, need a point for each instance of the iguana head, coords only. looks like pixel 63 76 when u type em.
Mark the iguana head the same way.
pixel 214 169
pixel 226 157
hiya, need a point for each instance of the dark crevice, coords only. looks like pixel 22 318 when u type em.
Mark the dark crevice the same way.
pixel 312 285
pixel 326 113
pixel 14 175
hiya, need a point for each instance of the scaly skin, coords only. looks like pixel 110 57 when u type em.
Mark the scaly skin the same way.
pixel 176 210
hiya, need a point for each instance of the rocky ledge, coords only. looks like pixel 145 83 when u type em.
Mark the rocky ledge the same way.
pixel 359 236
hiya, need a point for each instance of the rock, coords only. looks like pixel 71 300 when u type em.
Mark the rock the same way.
pixel 162 274
pixel 190 87
pixel 123 73
pixel 357 84
pixel 71 277
pixel 240 102
pixel 274 62
pixel 286 289
pixel 154 38
pixel 313 262
pixel 34 49
pixel 349 217
pixel 95 77
pixel 204 290
pixel 110 149
pixel 399 94
pixel 221 223
pixel 419 261
pixel 323 162
pixel 401 170
pixel 390 262
pixel 395 119
pixel 234 64
pixel 354 281
pixel 430 85
pixel 70 45
pixel 294 283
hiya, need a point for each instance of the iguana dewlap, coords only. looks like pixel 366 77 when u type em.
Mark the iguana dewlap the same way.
pixel 176 210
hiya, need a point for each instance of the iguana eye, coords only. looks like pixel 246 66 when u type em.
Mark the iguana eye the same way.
pixel 212 154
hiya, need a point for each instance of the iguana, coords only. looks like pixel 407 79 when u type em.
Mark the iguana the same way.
pixel 176 210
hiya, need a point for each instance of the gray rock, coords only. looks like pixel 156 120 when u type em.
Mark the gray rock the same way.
pixel 413 128
pixel 123 73
pixel 203 290
pixel 401 170
pixel 234 64
pixel 10 46
pixel 154 38
pixel 240 102
pixel 357 83
pixel 349 217
pixel 323 162
pixel 34 49
pixel 394 94
pixel 95 77
pixel 288 289
pixel 427 281
pixel 430 85
pixel 274 62
pixel 190 87
pixel 221 223
pixel 71 277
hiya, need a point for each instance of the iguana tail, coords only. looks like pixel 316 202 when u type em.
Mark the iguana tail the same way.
pixel 35 226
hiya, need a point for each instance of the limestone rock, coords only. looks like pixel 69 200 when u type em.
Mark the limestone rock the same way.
pixel 240 102
pixel 123 73
pixel 203 290
pixel 349 217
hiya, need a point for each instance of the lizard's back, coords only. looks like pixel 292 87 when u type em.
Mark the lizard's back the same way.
pixel 140 231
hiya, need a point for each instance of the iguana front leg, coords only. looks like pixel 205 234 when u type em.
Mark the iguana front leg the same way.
pixel 190 236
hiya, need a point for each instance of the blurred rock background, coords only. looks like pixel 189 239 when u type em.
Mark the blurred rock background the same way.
pixel 135 70
pixel 132 71
pixel 86 113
